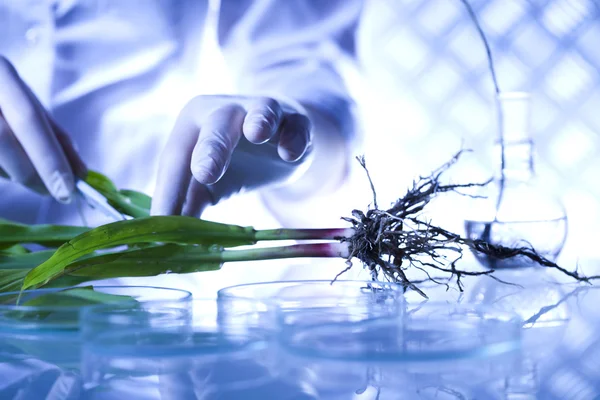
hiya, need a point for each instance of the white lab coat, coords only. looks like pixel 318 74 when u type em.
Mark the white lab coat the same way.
pixel 116 73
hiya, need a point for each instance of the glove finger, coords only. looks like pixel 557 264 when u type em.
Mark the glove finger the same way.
pixel 219 136
pixel 77 165
pixel 174 172
pixel 14 162
pixel 198 198
pixel 262 120
pixel 295 137
pixel 29 124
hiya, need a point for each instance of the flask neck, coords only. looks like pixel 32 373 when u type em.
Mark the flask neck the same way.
pixel 514 146
pixel 517 163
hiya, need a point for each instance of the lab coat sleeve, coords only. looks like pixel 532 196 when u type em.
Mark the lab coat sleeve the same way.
pixel 287 49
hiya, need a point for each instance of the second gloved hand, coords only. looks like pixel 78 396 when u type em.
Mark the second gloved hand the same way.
pixel 34 150
pixel 221 145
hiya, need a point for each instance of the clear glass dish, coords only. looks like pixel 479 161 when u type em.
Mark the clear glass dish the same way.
pixel 271 306
pixel 40 346
pixel 207 360
pixel 431 350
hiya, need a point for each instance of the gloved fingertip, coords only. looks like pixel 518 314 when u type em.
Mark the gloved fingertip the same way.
pixel 262 120
pixel 287 155
pixel 62 186
pixel 205 174
pixel 258 128
pixel 207 168
pixel 293 147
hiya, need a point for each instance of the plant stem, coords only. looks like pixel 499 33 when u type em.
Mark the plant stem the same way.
pixel 304 234
pixel 318 250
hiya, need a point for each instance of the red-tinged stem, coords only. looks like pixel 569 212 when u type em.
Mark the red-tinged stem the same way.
pixel 304 234
pixel 318 250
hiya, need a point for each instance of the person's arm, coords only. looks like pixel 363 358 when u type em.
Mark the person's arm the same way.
pixel 286 50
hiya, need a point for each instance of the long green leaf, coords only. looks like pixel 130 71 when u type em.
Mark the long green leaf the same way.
pixel 24 261
pixel 11 280
pixel 15 249
pixel 62 302
pixel 13 233
pixel 170 258
pixel 128 202
pixel 139 199
pixel 81 296
pixel 150 261
pixel 100 182
pixel 166 229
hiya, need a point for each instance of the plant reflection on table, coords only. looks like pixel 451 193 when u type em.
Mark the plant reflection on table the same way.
pixel 554 326
pixel 40 335
pixel 574 371
pixel 431 351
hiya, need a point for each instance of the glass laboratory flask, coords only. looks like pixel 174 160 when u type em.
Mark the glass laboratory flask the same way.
pixel 514 210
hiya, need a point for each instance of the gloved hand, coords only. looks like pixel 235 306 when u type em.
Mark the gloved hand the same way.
pixel 34 151
pixel 223 144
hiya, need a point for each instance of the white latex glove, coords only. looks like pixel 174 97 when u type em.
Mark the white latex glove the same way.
pixel 223 144
pixel 34 150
